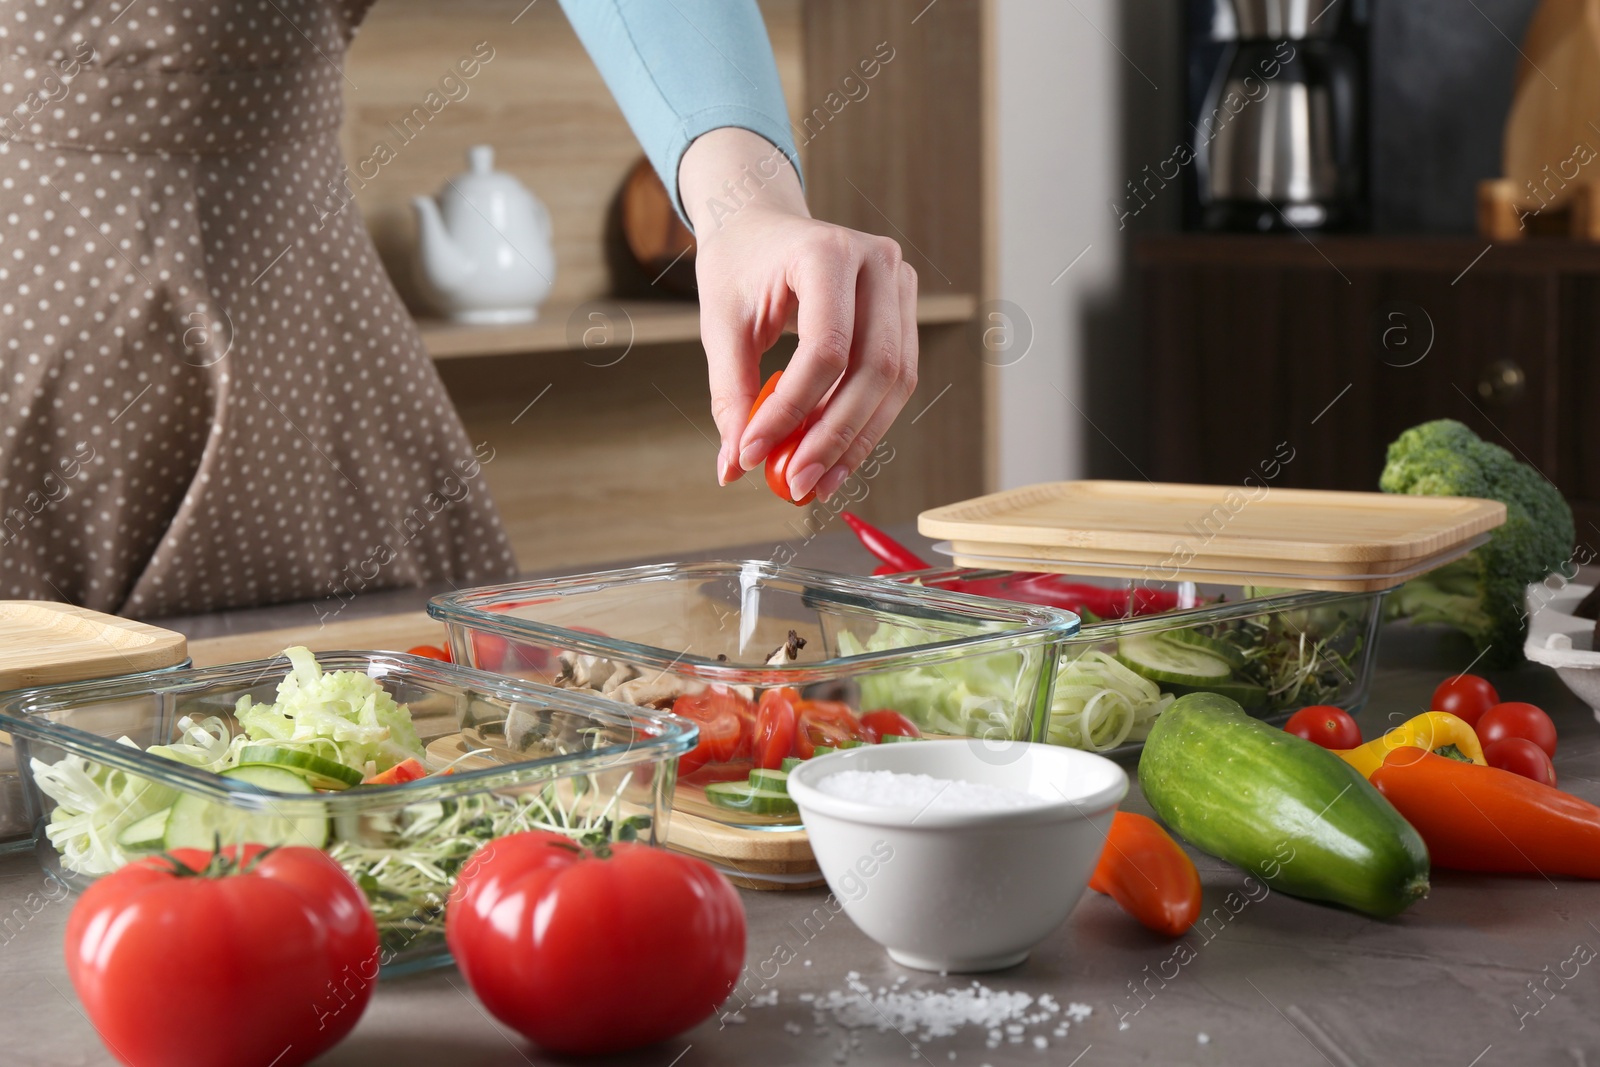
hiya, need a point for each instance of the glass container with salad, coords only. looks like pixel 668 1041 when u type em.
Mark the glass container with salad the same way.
pixel 399 767
pixel 1144 644
pixel 774 664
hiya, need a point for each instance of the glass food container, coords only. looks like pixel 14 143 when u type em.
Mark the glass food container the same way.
pixel 526 757
pixel 775 664
pixel 1145 643
pixel 15 831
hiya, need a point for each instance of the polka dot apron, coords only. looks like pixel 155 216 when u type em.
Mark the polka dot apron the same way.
pixel 210 393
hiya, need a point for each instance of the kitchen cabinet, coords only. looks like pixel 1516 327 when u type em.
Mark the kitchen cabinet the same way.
pixel 607 452
pixel 1333 345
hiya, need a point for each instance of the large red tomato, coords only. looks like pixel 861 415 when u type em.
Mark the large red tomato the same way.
pixel 594 952
pixel 245 958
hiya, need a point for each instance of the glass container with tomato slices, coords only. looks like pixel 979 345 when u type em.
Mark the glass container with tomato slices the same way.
pixel 774 664
pixel 1145 643
pixel 120 769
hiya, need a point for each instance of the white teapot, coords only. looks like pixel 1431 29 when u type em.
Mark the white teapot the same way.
pixel 484 251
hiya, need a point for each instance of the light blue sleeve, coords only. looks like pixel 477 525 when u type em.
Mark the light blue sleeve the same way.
pixel 680 68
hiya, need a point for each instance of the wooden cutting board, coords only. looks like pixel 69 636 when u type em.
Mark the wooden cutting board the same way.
pixel 43 642
pixel 1556 100
pixel 1155 523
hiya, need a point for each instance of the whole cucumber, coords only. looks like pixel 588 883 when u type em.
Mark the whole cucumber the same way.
pixel 1290 812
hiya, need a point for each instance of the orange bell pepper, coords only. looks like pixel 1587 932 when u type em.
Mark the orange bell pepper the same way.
pixel 1149 874
pixel 1484 819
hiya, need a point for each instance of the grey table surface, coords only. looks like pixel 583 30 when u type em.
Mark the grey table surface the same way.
pixel 1271 980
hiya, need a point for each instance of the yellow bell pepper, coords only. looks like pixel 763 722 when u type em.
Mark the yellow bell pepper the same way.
pixel 1432 730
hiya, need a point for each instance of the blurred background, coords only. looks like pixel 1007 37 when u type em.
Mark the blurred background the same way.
pixel 1156 239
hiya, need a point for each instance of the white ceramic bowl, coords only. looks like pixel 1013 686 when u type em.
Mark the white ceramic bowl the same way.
pixel 962 890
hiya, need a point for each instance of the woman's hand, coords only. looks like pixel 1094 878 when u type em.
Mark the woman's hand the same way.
pixel 762 263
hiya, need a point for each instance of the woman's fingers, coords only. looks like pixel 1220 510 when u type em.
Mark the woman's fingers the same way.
pixel 733 359
pixel 872 377
pixel 822 276
pixel 892 404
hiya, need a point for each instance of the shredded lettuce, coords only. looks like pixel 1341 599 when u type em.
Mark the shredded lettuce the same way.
pixel 340 715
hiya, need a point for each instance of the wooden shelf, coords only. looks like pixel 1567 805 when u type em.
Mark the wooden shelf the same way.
pixel 559 327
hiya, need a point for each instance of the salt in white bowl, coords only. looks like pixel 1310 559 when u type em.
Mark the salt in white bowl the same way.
pixel 962 891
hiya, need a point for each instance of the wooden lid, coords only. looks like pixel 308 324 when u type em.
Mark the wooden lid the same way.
pixel 43 642
pixel 1155 524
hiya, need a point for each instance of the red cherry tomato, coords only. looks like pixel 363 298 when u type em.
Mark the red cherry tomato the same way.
pixel 272 953
pixel 779 458
pixel 1466 696
pixel 1521 756
pixel 429 652
pixel 1325 725
pixel 885 722
pixel 1518 720
pixel 553 939
pixel 826 722
pixel 775 728
pixel 720 732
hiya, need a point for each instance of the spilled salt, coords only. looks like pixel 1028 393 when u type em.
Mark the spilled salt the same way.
pixel 891 789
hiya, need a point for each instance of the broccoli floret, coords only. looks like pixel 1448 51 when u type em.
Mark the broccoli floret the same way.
pixel 1484 593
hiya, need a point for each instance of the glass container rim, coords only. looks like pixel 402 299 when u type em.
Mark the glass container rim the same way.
pixel 1033 624
pixel 669 735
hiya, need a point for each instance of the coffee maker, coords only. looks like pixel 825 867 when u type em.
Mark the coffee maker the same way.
pixel 1279 133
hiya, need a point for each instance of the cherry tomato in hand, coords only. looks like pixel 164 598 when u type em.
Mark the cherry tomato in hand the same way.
pixel 720 730
pixel 594 952
pixel 1325 725
pixel 775 727
pixel 885 722
pixel 1521 756
pixel 1466 696
pixel 1518 720
pixel 249 958
pixel 778 459
pixel 429 652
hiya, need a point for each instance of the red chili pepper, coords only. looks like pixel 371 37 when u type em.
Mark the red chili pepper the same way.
pixel 885 547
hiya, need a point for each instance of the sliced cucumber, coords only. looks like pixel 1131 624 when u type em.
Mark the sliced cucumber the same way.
pixel 742 796
pixel 791 762
pixel 195 822
pixel 146 835
pixel 776 781
pixel 1171 662
pixel 823 750
pixel 851 743
pixel 319 773
pixel 886 738
pixel 1206 643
